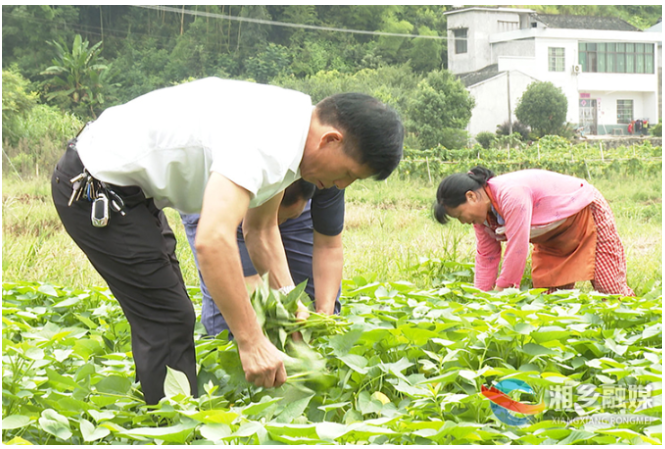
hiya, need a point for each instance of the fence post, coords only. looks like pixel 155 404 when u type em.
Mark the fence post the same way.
pixel 429 175
pixel 602 157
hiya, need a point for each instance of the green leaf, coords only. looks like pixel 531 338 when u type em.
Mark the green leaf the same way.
pixel 359 281
pixel 330 430
pixel 59 379
pixel 171 434
pixel 90 433
pixel 576 436
pixel 211 416
pixel 294 409
pixel 294 431
pixel 48 290
pixel 114 385
pixel 550 333
pixel 54 423
pixel 368 405
pixel 176 383
pixel 626 434
pixel 15 422
pixel 536 350
pixel 619 349
pixel 68 302
pixel 254 409
pixel 215 432
pixel 342 344
pixel 523 328
pixel 652 331
pixel 328 407
pixel 467 374
pixel 355 362
pixel 396 368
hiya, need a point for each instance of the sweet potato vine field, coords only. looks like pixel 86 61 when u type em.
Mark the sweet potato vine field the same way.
pixel 401 365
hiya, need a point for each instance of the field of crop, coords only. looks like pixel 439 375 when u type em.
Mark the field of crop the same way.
pixel 406 362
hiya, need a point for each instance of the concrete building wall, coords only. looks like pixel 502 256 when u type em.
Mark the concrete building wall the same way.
pixel 524 48
pixel 643 108
pixel 492 101
pixel 659 55
pixel 480 25
pixel 634 85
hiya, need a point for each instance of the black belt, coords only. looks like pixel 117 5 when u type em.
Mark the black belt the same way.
pixel 119 197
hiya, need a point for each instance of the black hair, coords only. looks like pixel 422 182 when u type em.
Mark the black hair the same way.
pixel 299 190
pixel 373 131
pixel 452 190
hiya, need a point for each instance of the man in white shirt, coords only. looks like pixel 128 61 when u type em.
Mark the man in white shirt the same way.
pixel 227 149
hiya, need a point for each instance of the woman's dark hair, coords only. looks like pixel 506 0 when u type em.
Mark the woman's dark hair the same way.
pixel 299 190
pixel 452 190
pixel 373 131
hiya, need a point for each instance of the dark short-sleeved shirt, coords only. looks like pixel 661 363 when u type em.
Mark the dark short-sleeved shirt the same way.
pixel 324 213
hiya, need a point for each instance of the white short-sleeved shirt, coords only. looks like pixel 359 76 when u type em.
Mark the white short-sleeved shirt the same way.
pixel 168 141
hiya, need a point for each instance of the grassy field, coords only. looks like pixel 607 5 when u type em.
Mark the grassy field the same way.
pixel 388 231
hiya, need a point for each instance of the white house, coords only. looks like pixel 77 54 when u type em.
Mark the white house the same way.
pixel 658 28
pixel 607 68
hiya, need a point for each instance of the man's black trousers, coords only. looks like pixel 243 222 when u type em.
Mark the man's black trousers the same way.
pixel 135 254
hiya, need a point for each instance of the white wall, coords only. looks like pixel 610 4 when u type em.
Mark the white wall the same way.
pixel 644 106
pixel 599 83
pixel 492 101
pixel 480 24
pixel 524 48
pixel 539 69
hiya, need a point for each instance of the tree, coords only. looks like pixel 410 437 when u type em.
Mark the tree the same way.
pixel 17 101
pixel 543 107
pixel 268 64
pixel 425 54
pixel 25 28
pixel 440 110
pixel 392 47
pixel 78 78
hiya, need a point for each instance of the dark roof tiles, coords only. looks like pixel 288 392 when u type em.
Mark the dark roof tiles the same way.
pixel 584 22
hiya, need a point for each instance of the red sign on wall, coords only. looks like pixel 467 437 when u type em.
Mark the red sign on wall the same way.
pixel 584 95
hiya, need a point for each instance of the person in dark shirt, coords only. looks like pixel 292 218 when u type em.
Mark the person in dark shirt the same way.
pixel 310 222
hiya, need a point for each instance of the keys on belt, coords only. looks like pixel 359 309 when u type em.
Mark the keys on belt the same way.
pixel 101 196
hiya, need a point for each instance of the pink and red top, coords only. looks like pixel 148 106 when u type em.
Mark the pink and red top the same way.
pixel 524 199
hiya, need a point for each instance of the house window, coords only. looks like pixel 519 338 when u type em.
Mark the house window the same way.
pixel 615 57
pixel 504 25
pixel 624 111
pixel 556 58
pixel 460 40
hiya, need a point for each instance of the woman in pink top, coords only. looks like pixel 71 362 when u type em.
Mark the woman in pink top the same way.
pixel 567 220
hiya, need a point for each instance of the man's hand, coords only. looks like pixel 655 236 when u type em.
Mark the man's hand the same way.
pixel 302 313
pixel 262 363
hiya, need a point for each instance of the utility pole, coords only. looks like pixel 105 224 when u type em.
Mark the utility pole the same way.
pixel 101 22
pixel 510 113
pixel 182 20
